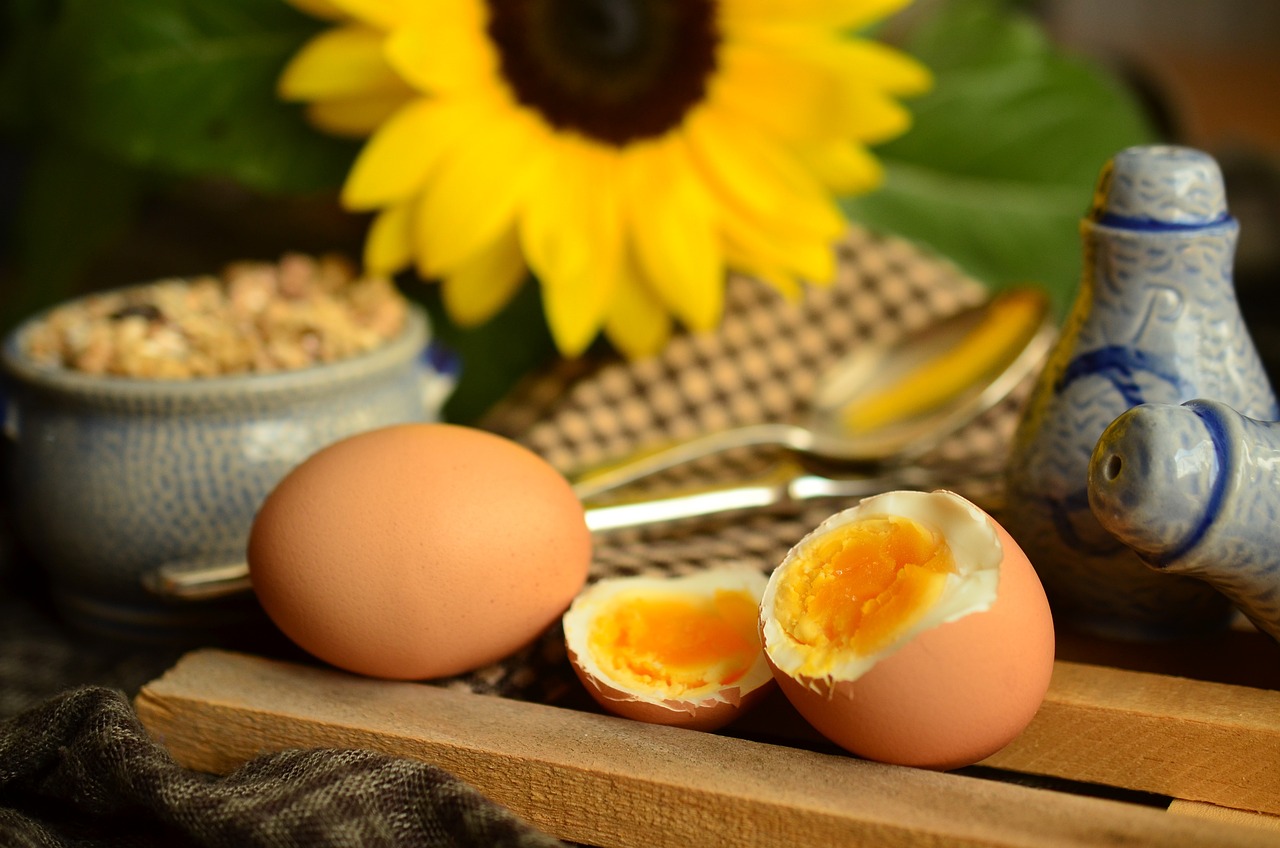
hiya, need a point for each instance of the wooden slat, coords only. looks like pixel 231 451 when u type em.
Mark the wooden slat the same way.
pixel 1201 810
pixel 610 782
pixel 1240 654
pixel 1188 739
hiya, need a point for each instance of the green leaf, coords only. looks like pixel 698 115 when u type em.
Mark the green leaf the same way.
pixel 1000 164
pixel 494 355
pixel 24 27
pixel 73 204
pixel 187 87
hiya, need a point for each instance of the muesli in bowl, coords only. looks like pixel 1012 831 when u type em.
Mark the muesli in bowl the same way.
pixel 145 425
pixel 254 318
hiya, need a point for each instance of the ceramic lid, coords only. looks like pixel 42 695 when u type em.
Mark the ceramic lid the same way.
pixel 1161 185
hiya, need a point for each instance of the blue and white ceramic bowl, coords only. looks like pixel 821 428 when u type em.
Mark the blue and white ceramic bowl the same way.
pixel 109 479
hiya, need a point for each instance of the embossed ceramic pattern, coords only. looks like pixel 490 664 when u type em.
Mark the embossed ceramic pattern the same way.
pixel 1155 320
pixel 1194 489
pixel 110 478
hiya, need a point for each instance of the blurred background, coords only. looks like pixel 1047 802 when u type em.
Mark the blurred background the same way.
pixel 1209 70
pixel 1203 72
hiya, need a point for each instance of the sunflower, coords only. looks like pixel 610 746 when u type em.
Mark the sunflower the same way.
pixel 627 152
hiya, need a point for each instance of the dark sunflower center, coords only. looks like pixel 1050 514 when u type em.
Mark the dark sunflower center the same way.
pixel 614 70
pixel 602 31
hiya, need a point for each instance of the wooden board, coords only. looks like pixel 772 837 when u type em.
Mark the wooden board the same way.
pixel 605 781
pixel 1188 739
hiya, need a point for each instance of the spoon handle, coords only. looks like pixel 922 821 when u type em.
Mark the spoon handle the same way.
pixel 598 481
pixel 789 485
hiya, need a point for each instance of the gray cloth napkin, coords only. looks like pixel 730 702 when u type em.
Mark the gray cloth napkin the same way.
pixel 78 769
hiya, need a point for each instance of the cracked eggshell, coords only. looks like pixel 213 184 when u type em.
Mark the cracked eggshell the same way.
pixel 709 707
pixel 962 681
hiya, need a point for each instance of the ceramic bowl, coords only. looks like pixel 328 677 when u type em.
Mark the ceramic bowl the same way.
pixel 109 479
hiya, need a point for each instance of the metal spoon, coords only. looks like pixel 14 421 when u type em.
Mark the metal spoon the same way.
pixel 883 404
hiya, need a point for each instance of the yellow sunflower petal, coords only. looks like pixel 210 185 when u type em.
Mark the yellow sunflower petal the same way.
pixel 870 74
pixel 752 171
pixel 326 10
pixel 444 55
pixel 570 234
pixel 672 219
pixel 769 250
pixel 340 62
pixel 357 117
pixel 793 99
pixel 846 168
pixel 875 64
pixel 387 247
pixel 474 195
pixel 383 14
pixel 397 159
pixel 870 116
pixel 806 88
pixel 637 324
pixel 479 288
pixel 833 13
pixel 860 60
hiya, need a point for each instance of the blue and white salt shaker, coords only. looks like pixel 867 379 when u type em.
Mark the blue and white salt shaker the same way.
pixel 1155 320
pixel 1194 490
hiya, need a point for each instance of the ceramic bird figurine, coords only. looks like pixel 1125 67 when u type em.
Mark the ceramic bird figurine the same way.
pixel 1194 490
pixel 1155 321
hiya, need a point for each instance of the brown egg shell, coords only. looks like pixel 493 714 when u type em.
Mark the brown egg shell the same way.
pixel 955 694
pixel 709 714
pixel 419 551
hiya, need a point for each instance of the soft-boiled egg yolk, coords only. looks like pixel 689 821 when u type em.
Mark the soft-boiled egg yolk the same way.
pixel 677 645
pixel 683 651
pixel 857 589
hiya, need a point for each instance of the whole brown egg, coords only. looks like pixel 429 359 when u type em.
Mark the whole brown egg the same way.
pixel 418 551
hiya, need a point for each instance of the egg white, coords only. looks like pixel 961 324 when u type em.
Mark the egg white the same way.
pixel 977 552
pixel 587 606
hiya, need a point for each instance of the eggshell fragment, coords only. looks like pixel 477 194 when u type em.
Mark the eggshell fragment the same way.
pixel 681 651
pixel 960 679
pixel 418 550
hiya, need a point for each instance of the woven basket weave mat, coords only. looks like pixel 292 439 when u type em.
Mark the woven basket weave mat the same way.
pixel 760 364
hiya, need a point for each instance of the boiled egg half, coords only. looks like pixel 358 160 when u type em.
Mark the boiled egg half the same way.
pixel 681 651
pixel 910 629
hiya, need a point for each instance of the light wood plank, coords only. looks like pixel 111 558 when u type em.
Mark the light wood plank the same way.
pixel 610 782
pixel 1188 739
pixel 1201 810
